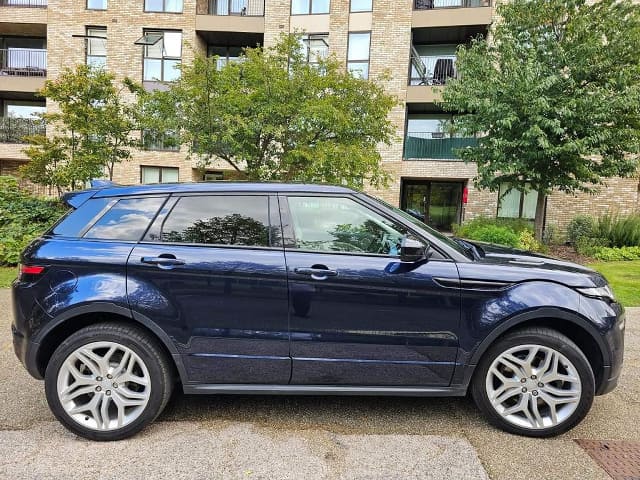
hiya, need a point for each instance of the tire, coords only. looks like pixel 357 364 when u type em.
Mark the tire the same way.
pixel 77 387
pixel 536 386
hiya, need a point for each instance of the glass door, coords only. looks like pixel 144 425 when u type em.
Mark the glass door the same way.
pixel 438 204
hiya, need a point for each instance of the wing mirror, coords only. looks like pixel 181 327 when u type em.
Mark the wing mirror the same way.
pixel 413 250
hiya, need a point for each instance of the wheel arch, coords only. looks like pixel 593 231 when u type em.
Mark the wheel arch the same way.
pixel 56 331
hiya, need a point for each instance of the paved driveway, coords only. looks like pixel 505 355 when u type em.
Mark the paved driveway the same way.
pixel 305 437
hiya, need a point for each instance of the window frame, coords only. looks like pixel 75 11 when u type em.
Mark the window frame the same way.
pixel 273 214
pixel 351 10
pixel 88 30
pixel 358 61
pixel 164 8
pixel 306 38
pixel 164 57
pixel 106 6
pixel 310 9
pixel 522 193
pixel 161 167
pixel 163 135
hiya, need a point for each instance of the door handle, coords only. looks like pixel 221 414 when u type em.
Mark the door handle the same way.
pixel 163 262
pixel 316 273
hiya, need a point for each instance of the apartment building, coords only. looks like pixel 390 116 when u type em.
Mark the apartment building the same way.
pixel 413 40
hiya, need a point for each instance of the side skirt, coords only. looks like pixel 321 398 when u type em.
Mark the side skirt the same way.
pixel 245 389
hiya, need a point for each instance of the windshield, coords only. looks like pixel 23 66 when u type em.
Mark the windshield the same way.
pixel 443 238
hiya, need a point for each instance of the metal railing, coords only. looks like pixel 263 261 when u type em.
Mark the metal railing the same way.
pixel 434 70
pixel 14 130
pixel 24 3
pixel 243 8
pixel 23 62
pixel 437 145
pixel 435 4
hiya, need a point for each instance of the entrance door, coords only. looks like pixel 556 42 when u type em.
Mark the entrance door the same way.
pixel 436 203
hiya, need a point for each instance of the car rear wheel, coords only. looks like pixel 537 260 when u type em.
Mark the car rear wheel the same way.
pixel 534 382
pixel 108 381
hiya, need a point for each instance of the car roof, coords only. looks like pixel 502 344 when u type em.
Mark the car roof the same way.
pixel 212 187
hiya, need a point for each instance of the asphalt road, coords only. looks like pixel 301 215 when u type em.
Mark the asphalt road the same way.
pixel 305 437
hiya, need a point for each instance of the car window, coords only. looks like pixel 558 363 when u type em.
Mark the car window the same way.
pixel 127 220
pixel 339 224
pixel 220 220
pixel 76 221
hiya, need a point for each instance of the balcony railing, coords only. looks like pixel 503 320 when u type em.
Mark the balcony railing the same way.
pixel 436 145
pixel 24 3
pixel 14 130
pixel 23 62
pixel 436 4
pixel 243 8
pixel 432 69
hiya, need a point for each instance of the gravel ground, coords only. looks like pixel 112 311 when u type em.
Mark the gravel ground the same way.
pixel 305 437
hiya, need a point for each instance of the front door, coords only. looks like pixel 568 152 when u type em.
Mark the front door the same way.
pixel 436 203
pixel 211 273
pixel 357 315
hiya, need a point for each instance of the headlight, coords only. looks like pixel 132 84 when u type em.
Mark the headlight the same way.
pixel 598 292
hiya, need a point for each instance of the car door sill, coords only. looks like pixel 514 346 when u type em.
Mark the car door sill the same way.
pixel 250 389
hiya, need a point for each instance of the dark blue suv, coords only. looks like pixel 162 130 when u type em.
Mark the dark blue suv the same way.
pixel 299 289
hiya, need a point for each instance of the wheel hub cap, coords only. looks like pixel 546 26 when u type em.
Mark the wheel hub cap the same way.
pixel 104 385
pixel 533 386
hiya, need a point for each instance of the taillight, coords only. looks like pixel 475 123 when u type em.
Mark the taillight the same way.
pixel 31 270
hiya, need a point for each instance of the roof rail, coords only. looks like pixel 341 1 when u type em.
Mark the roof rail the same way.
pixel 100 183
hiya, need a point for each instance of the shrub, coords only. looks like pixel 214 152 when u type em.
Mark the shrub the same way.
pixel 527 241
pixel 581 226
pixel 22 218
pixel 613 254
pixel 496 234
pixel 619 231
pixel 510 232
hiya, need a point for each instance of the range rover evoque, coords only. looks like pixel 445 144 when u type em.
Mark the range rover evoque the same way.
pixel 223 288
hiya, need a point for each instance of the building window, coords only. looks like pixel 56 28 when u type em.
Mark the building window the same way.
pixel 358 54
pixel 152 140
pixel 97 46
pixel 224 54
pixel 210 176
pixel 162 57
pixel 308 7
pixel 158 175
pixel 517 202
pixel 169 6
pixel 361 5
pixel 315 47
pixel 96 4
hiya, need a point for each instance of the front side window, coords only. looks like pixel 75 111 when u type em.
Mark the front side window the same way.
pixel 307 7
pixel 338 224
pixel 96 4
pixel 162 58
pixel 517 201
pixel 361 5
pixel 127 220
pixel 97 46
pixel 158 175
pixel 170 6
pixel 358 54
pixel 315 47
pixel 220 220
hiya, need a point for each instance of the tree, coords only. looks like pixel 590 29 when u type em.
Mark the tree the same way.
pixel 274 116
pixel 554 95
pixel 90 131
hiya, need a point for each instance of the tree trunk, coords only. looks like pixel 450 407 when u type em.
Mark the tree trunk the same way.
pixel 538 223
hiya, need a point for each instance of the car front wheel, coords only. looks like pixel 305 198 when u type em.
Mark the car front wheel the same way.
pixel 534 382
pixel 108 381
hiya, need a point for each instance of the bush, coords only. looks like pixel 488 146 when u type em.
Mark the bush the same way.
pixel 580 227
pixel 619 231
pixel 614 254
pixel 22 218
pixel 515 233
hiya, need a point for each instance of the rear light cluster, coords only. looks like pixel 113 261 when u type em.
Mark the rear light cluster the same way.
pixel 30 272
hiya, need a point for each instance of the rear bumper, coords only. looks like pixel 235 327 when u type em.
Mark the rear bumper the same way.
pixel 26 351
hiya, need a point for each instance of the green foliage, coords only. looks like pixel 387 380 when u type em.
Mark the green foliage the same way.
pixel 553 95
pixel 90 130
pixel 512 232
pixel 277 117
pixel 619 231
pixel 614 254
pixel 581 226
pixel 22 218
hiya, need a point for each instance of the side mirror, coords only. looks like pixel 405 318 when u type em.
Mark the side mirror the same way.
pixel 412 250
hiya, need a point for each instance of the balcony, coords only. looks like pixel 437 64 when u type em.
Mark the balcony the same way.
pixel 434 145
pixel 15 130
pixel 23 62
pixel 446 13
pixel 238 16
pixel 241 8
pixel 24 3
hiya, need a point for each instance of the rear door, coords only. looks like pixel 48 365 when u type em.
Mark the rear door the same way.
pixel 211 272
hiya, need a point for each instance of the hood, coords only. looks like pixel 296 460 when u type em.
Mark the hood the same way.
pixel 504 264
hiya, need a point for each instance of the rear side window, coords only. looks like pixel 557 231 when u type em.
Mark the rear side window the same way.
pixel 220 220
pixel 77 220
pixel 127 220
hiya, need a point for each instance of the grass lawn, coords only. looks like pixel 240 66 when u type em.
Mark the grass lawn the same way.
pixel 7 274
pixel 624 278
